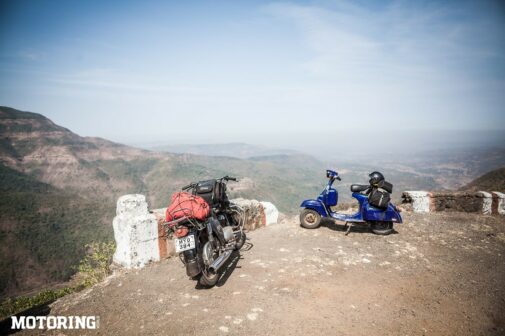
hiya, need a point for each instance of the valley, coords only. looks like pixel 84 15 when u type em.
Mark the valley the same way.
pixel 59 189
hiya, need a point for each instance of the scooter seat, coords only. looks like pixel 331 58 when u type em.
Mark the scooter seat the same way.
pixel 359 187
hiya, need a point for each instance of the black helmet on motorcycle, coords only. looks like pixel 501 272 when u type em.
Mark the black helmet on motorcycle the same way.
pixel 376 178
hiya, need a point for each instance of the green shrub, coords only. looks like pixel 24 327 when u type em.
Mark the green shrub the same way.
pixel 96 264
pixel 93 268
pixel 16 305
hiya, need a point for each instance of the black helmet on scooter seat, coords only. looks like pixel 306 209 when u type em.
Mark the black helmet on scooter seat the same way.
pixel 376 179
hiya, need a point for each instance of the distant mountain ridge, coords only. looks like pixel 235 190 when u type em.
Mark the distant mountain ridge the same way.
pixel 233 149
pixel 491 181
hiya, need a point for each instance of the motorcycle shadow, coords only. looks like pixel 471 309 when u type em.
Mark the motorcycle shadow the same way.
pixel 229 267
pixel 341 227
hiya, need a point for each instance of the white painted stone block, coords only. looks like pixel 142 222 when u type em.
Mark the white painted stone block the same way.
pixel 133 205
pixel 271 213
pixel 487 201
pixel 420 201
pixel 499 198
pixel 135 232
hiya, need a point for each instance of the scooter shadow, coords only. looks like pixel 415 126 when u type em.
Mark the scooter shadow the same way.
pixel 356 228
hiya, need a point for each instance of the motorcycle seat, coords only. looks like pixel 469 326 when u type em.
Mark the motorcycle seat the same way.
pixel 359 187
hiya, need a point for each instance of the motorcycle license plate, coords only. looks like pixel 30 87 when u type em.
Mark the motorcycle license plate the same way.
pixel 184 243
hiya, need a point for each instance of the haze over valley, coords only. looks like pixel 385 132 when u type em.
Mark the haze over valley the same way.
pixel 59 189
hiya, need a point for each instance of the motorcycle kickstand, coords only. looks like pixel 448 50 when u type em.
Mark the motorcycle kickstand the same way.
pixel 349 226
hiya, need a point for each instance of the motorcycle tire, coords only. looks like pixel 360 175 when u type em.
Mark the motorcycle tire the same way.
pixel 310 219
pixel 382 228
pixel 207 279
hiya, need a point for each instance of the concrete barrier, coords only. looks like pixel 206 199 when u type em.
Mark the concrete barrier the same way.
pixel 498 203
pixel 253 212
pixel 476 202
pixel 420 200
pixel 135 232
pixel 141 236
pixel 271 213
pixel 487 201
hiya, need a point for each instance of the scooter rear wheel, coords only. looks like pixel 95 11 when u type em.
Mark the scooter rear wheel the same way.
pixel 310 219
pixel 382 228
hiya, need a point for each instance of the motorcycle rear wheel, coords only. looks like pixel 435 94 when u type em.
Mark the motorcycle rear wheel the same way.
pixel 208 279
pixel 310 219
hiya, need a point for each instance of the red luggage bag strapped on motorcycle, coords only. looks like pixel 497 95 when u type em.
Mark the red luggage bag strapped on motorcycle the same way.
pixel 184 204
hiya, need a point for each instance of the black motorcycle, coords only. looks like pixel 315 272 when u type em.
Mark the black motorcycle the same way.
pixel 205 246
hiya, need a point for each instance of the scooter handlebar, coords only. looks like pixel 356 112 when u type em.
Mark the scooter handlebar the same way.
pixel 191 185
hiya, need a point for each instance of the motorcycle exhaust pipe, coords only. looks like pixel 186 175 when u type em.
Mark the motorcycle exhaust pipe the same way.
pixel 219 262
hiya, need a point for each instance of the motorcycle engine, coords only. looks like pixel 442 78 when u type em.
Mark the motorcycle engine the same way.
pixel 222 220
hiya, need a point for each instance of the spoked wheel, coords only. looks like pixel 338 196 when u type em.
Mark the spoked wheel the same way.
pixel 208 279
pixel 310 219
pixel 382 228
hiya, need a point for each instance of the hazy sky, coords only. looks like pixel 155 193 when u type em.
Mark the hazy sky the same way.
pixel 260 72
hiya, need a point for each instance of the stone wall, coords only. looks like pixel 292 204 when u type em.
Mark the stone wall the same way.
pixel 141 236
pixel 498 204
pixel 257 214
pixel 476 202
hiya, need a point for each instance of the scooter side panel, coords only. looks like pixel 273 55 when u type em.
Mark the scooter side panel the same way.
pixel 374 214
pixel 315 205
pixel 354 218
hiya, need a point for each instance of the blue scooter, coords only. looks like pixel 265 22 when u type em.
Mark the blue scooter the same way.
pixel 380 220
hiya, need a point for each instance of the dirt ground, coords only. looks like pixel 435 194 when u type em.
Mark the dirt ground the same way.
pixel 439 274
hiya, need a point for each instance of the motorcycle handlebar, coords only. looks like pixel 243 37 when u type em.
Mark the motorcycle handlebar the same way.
pixel 338 178
pixel 226 178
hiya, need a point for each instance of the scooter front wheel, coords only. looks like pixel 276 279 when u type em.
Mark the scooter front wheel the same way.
pixel 310 219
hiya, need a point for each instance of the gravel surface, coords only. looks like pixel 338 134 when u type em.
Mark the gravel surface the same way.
pixel 439 274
